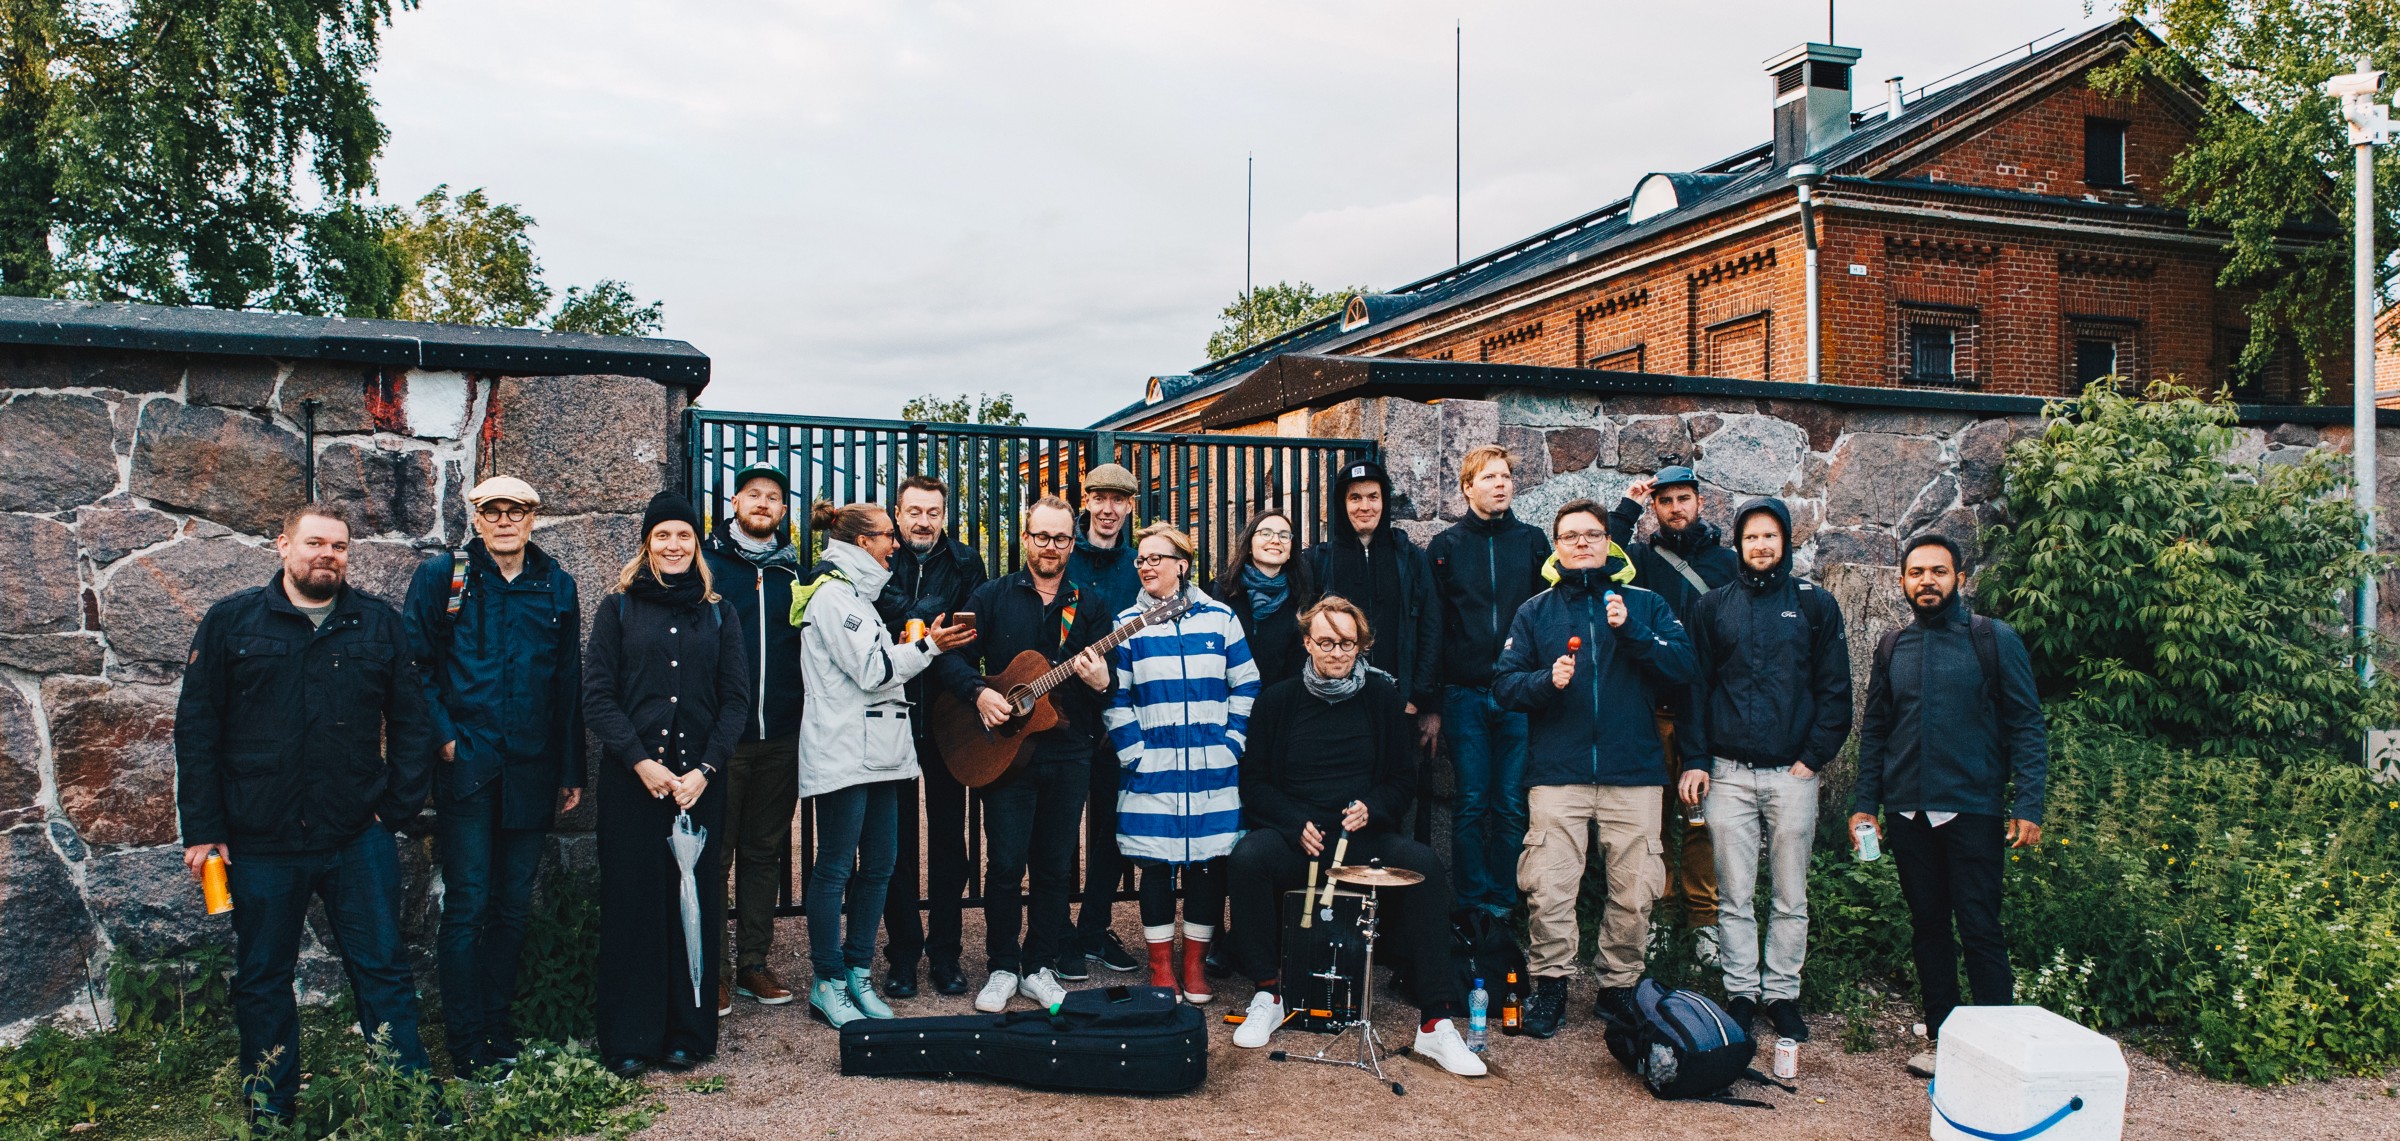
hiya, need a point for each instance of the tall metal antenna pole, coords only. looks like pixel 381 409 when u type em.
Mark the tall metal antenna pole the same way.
pixel 1458 142
pixel 1829 22
pixel 1249 229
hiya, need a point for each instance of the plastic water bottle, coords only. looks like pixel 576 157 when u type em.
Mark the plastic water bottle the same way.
pixel 1479 1004
pixel 1869 848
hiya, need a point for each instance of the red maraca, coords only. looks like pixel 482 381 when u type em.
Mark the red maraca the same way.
pixel 1575 644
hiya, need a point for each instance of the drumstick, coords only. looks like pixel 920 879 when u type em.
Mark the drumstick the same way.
pixel 1308 912
pixel 1341 847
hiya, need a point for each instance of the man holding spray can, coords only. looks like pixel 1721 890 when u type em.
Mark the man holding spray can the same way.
pixel 1589 662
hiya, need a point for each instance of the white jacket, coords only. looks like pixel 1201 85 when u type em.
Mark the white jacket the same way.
pixel 854 726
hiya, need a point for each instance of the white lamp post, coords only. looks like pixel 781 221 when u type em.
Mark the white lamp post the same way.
pixel 2370 123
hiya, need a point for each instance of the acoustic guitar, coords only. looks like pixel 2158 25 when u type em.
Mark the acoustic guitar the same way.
pixel 978 756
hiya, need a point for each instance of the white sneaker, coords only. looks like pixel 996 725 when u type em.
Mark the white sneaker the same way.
pixel 1042 986
pixel 996 992
pixel 1705 948
pixel 1260 1021
pixel 1449 1051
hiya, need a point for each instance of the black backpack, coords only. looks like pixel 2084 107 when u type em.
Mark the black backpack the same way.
pixel 1683 1045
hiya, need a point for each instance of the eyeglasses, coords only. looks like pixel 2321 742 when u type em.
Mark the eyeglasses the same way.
pixel 1583 538
pixel 885 534
pixel 512 514
pixel 1273 534
pixel 1330 646
pixel 1038 539
pixel 1154 560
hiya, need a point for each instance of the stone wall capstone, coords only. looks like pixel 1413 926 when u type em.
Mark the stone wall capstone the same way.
pixel 137 489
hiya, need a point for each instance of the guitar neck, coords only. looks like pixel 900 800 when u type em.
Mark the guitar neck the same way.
pixel 1104 646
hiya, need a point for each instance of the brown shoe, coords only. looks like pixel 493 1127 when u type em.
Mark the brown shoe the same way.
pixel 761 984
pixel 724 998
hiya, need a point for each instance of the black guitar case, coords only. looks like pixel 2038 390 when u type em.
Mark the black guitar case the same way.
pixel 1101 1040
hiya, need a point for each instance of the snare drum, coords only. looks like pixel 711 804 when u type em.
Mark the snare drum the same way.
pixel 1324 964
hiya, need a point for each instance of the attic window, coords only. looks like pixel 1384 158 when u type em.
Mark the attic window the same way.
pixel 1354 315
pixel 1787 80
pixel 2104 152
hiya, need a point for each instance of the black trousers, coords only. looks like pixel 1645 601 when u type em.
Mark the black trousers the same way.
pixel 1951 875
pixel 1103 866
pixel 944 842
pixel 1416 919
pixel 1202 885
pixel 1029 825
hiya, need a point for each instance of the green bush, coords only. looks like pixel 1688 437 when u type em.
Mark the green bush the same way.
pixel 363 1095
pixel 558 973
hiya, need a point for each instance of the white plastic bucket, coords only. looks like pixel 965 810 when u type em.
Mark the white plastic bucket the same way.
pixel 2001 1072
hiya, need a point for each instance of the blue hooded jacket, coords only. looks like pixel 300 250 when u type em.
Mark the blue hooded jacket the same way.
pixel 1602 728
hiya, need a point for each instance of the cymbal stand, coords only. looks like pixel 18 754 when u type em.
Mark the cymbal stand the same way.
pixel 1371 1050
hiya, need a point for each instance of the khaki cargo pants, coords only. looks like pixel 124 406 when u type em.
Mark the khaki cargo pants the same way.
pixel 1560 821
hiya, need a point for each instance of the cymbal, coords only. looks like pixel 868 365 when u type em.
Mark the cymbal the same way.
pixel 1367 875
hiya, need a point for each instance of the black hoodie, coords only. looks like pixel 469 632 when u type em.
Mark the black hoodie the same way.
pixel 1774 665
pixel 1483 569
pixel 1389 578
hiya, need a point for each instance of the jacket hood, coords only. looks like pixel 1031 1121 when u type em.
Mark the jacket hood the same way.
pixel 721 541
pixel 859 567
pixel 1692 540
pixel 1783 566
pixel 1092 550
pixel 537 561
pixel 1617 568
pixel 1337 524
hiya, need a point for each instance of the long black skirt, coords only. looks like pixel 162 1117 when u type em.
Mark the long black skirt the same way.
pixel 646 1004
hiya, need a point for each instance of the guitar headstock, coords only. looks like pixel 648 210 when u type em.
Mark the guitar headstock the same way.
pixel 1167 611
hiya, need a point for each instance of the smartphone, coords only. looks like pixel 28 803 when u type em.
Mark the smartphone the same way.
pixel 964 618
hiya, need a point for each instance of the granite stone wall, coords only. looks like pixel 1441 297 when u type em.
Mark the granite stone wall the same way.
pixel 137 489
pixel 1860 480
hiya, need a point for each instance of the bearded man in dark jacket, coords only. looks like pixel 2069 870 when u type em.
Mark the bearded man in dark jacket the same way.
pixel 1775 672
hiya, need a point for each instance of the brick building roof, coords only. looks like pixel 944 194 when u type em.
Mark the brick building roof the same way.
pixel 1879 157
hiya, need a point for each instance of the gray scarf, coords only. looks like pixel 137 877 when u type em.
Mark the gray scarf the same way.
pixel 1336 690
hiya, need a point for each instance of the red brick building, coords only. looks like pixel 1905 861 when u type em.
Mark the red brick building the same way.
pixel 2005 234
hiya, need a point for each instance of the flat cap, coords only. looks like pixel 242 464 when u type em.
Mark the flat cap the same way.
pixel 1110 477
pixel 506 487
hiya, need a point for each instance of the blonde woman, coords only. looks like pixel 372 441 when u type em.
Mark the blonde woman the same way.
pixel 665 690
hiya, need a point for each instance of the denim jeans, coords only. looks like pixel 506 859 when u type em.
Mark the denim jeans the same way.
pixel 1747 807
pixel 488 874
pixel 1487 751
pixel 1033 818
pixel 858 836
pixel 360 884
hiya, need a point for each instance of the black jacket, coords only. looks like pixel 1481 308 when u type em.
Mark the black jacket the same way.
pixel 666 683
pixel 290 738
pixel 1268 767
pixel 1105 573
pixel 503 678
pixel 1602 728
pixel 1275 643
pixel 761 593
pixel 1483 570
pixel 1774 667
pixel 926 587
pixel 1697 545
pixel 1410 624
pixel 1979 735
pixel 1011 619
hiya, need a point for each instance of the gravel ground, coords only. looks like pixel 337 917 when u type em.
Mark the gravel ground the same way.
pixel 781 1078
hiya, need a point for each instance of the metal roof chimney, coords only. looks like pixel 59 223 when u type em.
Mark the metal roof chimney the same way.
pixel 1812 99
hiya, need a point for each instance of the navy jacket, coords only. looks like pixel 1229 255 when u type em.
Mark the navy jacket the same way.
pixel 1697 545
pixel 1774 667
pixel 1936 739
pixel 1483 570
pixel 292 738
pixel 1602 728
pixel 761 594
pixel 1009 620
pixel 926 587
pixel 502 678
pixel 1105 573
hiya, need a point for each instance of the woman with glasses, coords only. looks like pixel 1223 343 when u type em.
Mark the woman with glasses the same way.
pixel 1331 752
pixel 1261 583
pixel 1179 720
pixel 856 750
pixel 665 687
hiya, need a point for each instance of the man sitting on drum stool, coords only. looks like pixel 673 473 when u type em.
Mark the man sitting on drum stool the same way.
pixel 1331 750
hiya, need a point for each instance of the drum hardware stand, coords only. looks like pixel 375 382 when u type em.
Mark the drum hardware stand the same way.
pixel 1371 1050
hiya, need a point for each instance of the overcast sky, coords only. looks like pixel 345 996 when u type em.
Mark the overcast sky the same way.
pixel 848 204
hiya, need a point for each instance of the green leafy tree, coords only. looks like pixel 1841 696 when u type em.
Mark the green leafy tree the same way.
pixel 608 308
pixel 1270 311
pixel 982 408
pixel 2271 156
pixel 2162 596
pixel 156 150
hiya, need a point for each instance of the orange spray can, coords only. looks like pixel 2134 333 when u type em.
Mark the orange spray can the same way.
pixel 212 884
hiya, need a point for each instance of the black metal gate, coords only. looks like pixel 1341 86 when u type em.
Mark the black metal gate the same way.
pixel 1208 485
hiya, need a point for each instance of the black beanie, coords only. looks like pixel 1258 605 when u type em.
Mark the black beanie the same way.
pixel 668 507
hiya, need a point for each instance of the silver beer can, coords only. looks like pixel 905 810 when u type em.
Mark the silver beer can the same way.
pixel 1787 1058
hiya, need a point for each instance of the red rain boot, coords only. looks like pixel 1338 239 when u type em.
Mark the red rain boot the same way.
pixel 1162 964
pixel 1195 972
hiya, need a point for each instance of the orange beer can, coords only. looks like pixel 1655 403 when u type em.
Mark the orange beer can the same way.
pixel 212 884
pixel 913 630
